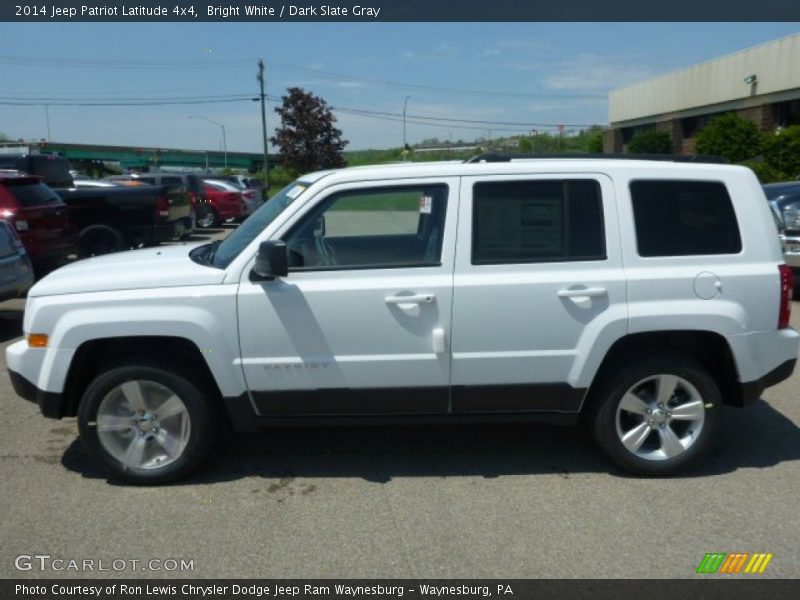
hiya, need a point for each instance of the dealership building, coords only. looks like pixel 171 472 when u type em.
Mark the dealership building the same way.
pixel 761 84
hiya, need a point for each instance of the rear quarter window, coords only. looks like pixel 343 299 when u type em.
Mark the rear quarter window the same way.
pixel 684 218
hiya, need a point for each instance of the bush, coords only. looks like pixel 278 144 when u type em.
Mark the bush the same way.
pixel 765 172
pixel 731 137
pixel 654 141
pixel 782 151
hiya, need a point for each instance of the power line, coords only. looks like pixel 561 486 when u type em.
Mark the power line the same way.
pixel 86 63
pixel 150 103
pixel 432 88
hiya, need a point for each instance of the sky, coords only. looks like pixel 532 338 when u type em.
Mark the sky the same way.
pixel 509 77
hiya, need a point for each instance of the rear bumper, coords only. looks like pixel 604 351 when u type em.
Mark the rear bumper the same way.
pixel 51 404
pixel 52 252
pixel 18 286
pixel 752 390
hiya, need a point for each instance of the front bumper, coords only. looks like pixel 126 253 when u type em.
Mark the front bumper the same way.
pixel 51 404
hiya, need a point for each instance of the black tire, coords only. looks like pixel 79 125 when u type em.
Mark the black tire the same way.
pixel 198 404
pixel 609 397
pixel 97 240
pixel 207 217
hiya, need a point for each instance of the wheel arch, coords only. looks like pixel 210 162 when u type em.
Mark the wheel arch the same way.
pixel 93 356
pixel 709 349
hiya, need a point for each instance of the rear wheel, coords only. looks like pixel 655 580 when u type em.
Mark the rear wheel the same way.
pixel 658 415
pixel 145 424
pixel 99 239
pixel 207 217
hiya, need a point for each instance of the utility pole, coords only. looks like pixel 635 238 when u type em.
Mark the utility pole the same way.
pixel 260 78
pixel 405 145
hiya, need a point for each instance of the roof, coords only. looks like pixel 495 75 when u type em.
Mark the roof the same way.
pixel 510 167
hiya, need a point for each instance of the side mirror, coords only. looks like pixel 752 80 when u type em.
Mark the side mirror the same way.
pixel 271 261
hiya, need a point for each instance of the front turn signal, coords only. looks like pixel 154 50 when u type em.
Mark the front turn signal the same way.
pixel 37 340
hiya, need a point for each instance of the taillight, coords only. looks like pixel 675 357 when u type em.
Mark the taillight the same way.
pixel 17 242
pixel 193 199
pixel 787 287
pixel 162 206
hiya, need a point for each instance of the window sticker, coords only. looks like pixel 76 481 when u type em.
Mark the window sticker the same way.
pixel 425 204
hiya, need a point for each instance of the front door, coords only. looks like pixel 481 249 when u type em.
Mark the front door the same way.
pixel 361 324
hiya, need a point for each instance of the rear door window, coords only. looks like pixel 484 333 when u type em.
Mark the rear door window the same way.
pixel 684 218
pixel 537 221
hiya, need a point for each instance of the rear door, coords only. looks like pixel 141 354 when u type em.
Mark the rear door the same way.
pixel 361 323
pixel 538 281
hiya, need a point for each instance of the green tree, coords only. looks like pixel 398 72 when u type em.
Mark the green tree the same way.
pixel 731 137
pixel 782 151
pixel 654 141
pixel 525 145
pixel 594 141
pixel 4 137
pixel 307 138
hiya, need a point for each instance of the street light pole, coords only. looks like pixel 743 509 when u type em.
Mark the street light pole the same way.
pixel 224 137
pixel 47 118
pixel 260 78
pixel 405 145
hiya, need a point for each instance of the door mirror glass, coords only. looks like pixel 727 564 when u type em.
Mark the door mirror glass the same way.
pixel 271 261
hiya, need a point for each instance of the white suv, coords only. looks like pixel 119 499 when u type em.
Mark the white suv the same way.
pixel 638 295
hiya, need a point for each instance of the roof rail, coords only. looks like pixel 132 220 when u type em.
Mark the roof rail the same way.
pixel 688 158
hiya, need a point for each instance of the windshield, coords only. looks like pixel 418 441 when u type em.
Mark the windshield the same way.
pixel 223 254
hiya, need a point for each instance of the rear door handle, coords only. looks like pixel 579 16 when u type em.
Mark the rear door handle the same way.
pixel 583 293
pixel 417 299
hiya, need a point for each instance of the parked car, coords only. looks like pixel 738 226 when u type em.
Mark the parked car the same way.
pixel 51 168
pixel 784 199
pixel 185 192
pixel 225 203
pixel 40 217
pixel 16 270
pixel 638 296
pixel 111 219
pixel 253 196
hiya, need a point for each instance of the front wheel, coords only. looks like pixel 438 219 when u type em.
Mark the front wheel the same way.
pixel 145 424
pixel 658 415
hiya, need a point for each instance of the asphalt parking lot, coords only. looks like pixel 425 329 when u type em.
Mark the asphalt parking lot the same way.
pixel 490 501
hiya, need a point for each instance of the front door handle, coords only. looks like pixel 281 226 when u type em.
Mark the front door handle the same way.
pixel 416 299
pixel 583 293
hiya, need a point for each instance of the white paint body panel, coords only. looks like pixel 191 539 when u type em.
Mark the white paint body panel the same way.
pixel 509 325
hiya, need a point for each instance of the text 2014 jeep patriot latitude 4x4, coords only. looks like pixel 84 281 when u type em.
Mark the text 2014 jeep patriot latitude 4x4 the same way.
pixel 640 295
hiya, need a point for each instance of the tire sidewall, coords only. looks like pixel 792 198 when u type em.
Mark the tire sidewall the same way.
pixel 605 428
pixel 197 404
pixel 204 210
